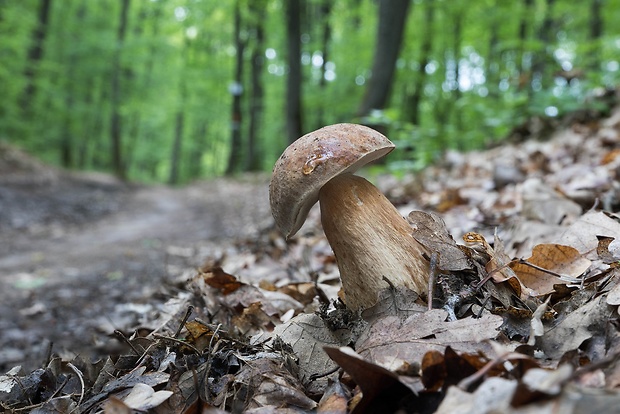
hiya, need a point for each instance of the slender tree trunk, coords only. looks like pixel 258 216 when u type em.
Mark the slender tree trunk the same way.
pixel 35 54
pixel 143 78
pixel 326 34
pixel 414 98
pixel 392 19
pixel 195 157
pixel 457 41
pixel 255 153
pixel 524 59
pixel 294 79
pixel 494 58
pixel 177 143
pixel 236 140
pixel 539 66
pixel 596 32
pixel 115 94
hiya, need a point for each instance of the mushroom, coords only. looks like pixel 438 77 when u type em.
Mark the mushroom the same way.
pixel 369 237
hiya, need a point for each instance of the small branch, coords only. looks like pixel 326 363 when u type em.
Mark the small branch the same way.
pixel 431 279
pixel 188 313
pixel 79 374
pixel 122 335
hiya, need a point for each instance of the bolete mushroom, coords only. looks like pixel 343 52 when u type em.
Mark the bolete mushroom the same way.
pixel 369 237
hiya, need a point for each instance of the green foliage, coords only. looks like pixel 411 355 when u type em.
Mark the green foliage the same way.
pixel 177 62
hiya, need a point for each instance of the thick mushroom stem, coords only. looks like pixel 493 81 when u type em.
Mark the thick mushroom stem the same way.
pixel 370 240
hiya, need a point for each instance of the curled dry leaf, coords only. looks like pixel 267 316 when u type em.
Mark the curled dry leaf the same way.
pixel 382 389
pixel 550 264
pixel 430 230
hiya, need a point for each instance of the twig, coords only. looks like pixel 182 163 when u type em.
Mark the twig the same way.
pixel 178 341
pixel 431 279
pixel 315 377
pixel 122 335
pixel 79 374
pixel 189 311
pixel 48 354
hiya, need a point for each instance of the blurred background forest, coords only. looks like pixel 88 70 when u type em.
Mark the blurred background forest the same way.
pixel 173 90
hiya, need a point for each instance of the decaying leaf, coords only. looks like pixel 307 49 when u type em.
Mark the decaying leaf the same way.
pixel 382 390
pixel 307 334
pixel 216 277
pixel 335 399
pixel 392 343
pixel 578 326
pixel 582 234
pixel 430 230
pixel 265 382
pixel 550 264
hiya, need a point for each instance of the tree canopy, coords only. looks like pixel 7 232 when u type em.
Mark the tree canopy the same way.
pixel 172 90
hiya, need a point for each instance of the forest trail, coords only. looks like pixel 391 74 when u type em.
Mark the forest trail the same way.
pixel 75 249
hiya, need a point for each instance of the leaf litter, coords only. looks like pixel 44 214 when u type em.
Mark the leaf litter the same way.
pixel 523 315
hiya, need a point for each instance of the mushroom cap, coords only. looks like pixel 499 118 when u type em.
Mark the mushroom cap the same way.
pixel 314 159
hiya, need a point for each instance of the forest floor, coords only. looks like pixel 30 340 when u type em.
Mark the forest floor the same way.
pixel 82 254
pixel 97 274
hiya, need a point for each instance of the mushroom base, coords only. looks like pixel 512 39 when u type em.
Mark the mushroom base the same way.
pixel 370 240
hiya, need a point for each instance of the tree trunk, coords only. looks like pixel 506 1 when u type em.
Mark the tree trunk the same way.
pixel 596 32
pixel 524 59
pixel 326 34
pixel 392 19
pixel 236 143
pixel 177 142
pixel 115 95
pixel 293 82
pixel 494 58
pixel 195 157
pixel 414 98
pixel 255 153
pixel 35 54
pixel 539 65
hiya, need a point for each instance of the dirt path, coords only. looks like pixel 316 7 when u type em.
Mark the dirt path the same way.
pixel 81 255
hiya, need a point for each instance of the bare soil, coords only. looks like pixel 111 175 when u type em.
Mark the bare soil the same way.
pixel 84 254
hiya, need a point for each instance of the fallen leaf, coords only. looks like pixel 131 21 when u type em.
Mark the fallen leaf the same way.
pixel 392 343
pixel 540 272
pixel 308 334
pixel 334 400
pixel 430 230
pixel 144 397
pixel 578 326
pixel 217 278
pixel 265 382
pixel 382 389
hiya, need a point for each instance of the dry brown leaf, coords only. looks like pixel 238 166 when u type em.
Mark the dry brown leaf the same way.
pixel 252 319
pixel 497 267
pixel 217 278
pixel 583 233
pixel 334 400
pixel 578 326
pixel 557 259
pixel 430 230
pixel 392 343
pixel 382 389
pixel 307 334
pixel 265 382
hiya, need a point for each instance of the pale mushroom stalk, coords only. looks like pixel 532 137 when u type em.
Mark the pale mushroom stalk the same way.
pixel 369 237
pixel 370 240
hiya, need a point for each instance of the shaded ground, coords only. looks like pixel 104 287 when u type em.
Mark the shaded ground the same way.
pixel 80 255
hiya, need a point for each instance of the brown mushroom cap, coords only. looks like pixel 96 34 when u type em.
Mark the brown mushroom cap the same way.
pixel 314 159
